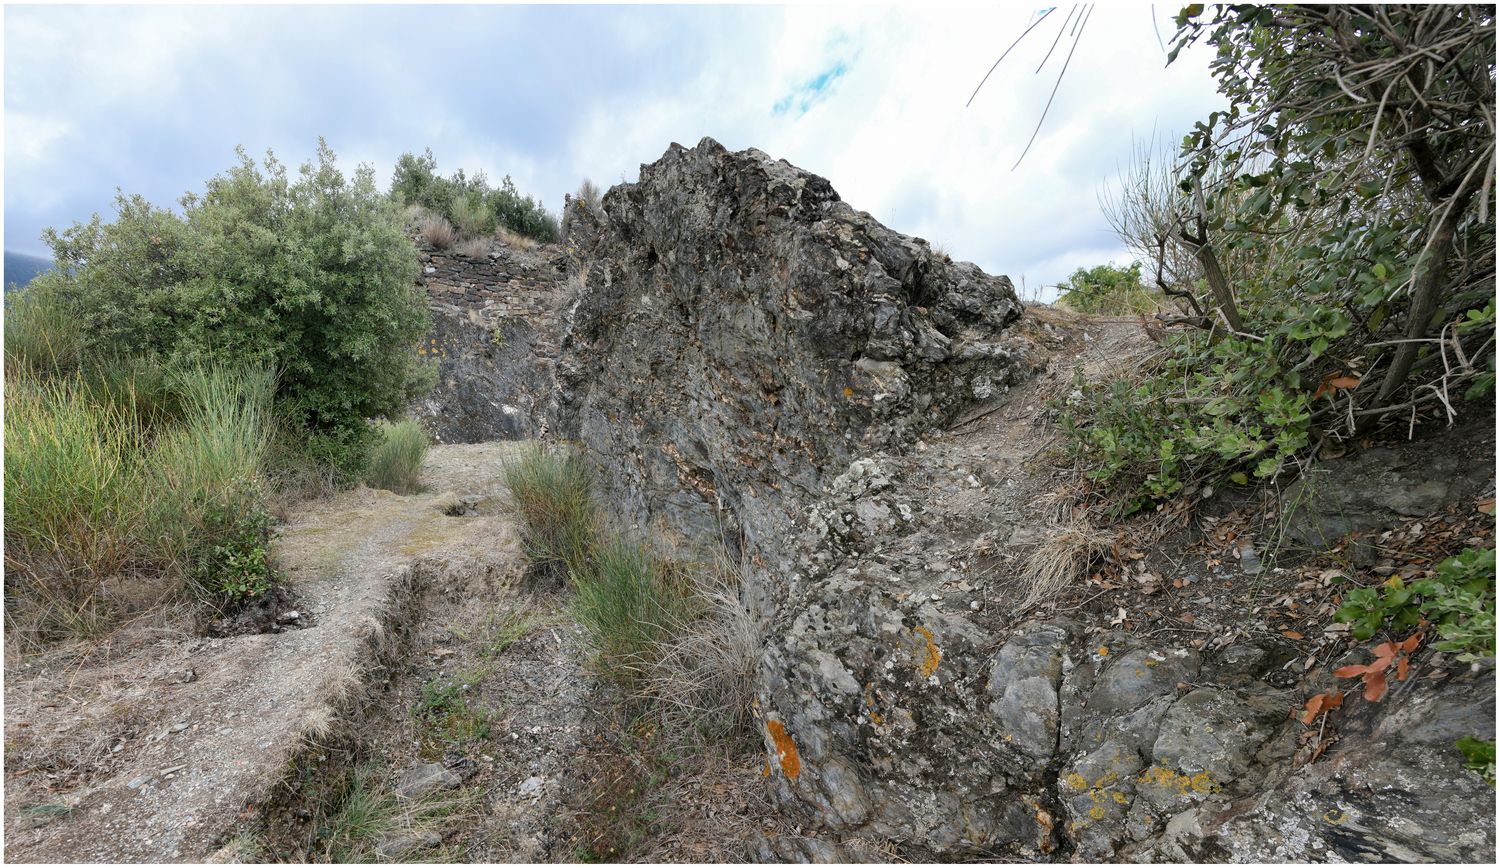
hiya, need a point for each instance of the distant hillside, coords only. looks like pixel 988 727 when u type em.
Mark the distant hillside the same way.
pixel 20 268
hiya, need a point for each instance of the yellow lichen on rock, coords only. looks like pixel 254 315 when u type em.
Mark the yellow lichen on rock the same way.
pixel 929 655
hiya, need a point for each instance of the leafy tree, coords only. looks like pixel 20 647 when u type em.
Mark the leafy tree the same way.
pixel 311 274
pixel 1332 233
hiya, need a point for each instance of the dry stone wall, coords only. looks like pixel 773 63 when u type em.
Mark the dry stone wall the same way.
pixel 495 339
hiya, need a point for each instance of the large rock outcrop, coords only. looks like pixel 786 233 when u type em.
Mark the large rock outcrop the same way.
pixel 750 359
pixel 742 330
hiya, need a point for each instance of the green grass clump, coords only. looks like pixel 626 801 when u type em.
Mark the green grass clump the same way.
pixel 366 822
pixel 76 502
pixel 396 460
pixel 559 522
pixel 632 604
pixel 451 711
pixel 41 332
pixel 111 499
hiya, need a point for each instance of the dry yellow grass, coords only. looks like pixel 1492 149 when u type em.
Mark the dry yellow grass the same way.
pixel 520 242
pixel 1062 558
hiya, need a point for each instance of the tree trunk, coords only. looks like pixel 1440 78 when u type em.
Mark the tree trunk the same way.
pixel 1424 297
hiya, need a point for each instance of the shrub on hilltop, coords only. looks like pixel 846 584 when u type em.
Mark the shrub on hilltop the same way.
pixel 469 203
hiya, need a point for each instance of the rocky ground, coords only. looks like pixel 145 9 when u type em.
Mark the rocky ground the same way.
pixel 873 426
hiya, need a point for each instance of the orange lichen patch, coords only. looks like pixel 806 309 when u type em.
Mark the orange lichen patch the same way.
pixel 765 770
pixel 1076 781
pixel 786 749
pixel 848 392
pixel 929 655
pixel 1103 650
pixel 875 716
pixel 1044 824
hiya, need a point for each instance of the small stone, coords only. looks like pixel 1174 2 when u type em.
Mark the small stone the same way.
pixel 138 782
pixel 421 780
pixel 172 770
pixel 974 604
pixel 530 786
pixel 179 726
pixel 289 616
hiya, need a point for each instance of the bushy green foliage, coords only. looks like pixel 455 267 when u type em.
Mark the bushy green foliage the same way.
pixel 1479 756
pixel 1342 251
pixel 559 521
pixel 311 275
pixel 1460 600
pixel 396 460
pixel 1106 289
pixel 1213 410
pixel 470 203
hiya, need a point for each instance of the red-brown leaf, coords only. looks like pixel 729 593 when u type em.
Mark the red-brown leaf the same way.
pixel 1291 634
pixel 1351 671
pixel 1344 382
pixel 1409 644
pixel 1374 686
pixel 1402 666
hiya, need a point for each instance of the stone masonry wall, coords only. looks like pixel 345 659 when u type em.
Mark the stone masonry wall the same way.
pixel 495 336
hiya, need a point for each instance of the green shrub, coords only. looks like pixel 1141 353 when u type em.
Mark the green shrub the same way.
pixel 1105 289
pixel 1334 252
pixel 310 275
pixel 470 203
pixel 559 522
pixel 1460 599
pixel 396 461
pixel 1479 756
pixel 1212 411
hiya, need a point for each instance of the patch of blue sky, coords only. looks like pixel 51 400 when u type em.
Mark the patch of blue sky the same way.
pixel 811 92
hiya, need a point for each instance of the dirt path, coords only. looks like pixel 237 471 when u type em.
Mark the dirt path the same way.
pixel 160 754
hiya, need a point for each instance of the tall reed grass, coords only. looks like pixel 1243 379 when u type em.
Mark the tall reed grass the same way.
pixel 103 500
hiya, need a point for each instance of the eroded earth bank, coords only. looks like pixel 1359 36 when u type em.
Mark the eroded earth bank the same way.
pixel 869 428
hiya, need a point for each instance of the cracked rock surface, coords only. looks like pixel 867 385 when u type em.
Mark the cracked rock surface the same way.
pixel 751 359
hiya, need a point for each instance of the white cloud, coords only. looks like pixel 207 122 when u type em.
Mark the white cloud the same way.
pixel 890 131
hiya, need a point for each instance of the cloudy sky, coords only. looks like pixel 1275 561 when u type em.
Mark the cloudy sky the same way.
pixel 154 99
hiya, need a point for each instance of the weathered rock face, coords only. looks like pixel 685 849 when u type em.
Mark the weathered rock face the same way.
pixel 742 330
pixel 751 359
pixel 494 338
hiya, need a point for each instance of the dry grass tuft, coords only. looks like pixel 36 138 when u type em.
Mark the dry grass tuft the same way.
pixel 1061 559
pixel 704 680
pixel 516 240
pixel 473 248
pixel 436 230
